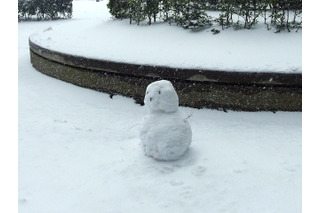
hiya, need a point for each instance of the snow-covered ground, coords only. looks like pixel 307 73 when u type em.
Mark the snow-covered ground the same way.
pixel 79 150
pixel 103 38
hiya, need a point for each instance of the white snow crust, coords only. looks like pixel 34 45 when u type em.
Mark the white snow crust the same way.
pixel 79 150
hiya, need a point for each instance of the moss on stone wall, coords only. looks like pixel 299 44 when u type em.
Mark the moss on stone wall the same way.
pixel 191 93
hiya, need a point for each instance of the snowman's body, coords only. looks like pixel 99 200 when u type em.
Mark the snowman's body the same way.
pixel 165 134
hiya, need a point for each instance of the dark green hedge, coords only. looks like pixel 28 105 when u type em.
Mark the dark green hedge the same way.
pixel 44 9
pixel 185 13
pixel 280 14
pixel 192 14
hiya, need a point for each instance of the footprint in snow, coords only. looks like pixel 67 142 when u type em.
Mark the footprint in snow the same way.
pixel 60 121
pixel 198 170
pixel 176 183
pixel 48 29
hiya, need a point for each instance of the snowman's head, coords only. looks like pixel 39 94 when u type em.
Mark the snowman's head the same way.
pixel 161 97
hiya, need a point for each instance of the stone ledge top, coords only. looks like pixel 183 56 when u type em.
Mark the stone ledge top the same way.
pixel 216 76
pixel 199 75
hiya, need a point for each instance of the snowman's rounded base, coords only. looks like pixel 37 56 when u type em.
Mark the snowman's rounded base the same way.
pixel 165 136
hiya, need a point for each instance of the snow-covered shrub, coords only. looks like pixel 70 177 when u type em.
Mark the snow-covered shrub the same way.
pixel 186 13
pixel 26 9
pixel 22 9
pixel 248 11
pixel 137 10
pixel 152 9
pixel 226 8
pixel 44 9
pixel 244 14
pixel 189 14
pixel 64 8
pixel 282 12
pixel 192 14
pixel 166 10
pixel 212 4
pixel 119 8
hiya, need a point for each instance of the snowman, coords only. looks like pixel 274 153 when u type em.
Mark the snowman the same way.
pixel 165 134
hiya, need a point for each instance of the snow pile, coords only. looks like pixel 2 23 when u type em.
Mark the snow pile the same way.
pixel 165 134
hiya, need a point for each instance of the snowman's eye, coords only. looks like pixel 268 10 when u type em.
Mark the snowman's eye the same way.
pixel 159 92
pixel 147 92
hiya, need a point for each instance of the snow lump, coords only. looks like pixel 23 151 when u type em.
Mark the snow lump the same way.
pixel 165 134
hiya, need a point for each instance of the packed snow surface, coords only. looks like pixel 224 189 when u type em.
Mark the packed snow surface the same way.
pixel 79 150
pixel 165 134
pixel 161 44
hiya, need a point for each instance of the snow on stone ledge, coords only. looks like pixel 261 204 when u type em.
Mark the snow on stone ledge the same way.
pixel 161 44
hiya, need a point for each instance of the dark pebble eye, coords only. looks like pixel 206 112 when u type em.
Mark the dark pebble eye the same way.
pixel 159 92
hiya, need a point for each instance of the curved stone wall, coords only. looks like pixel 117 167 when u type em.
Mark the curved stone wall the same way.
pixel 245 91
